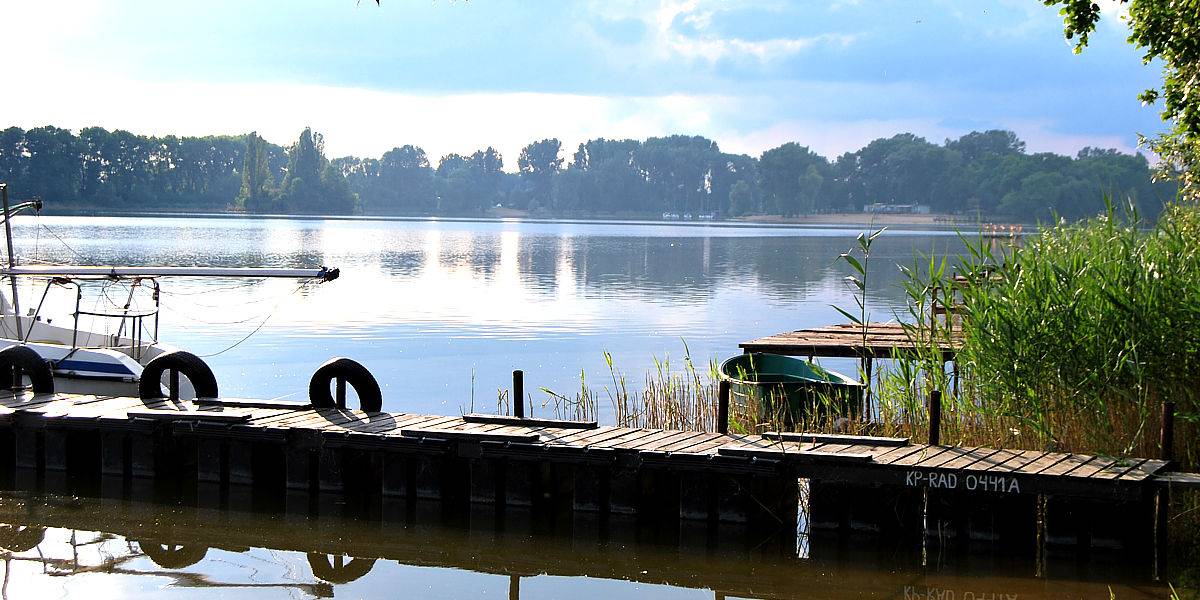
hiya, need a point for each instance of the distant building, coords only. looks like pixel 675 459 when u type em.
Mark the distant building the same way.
pixel 897 209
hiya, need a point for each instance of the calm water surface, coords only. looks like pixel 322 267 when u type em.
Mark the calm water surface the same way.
pixel 63 547
pixel 443 311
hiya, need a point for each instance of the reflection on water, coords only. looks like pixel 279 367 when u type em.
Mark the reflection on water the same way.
pixel 107 549
pixel 443 311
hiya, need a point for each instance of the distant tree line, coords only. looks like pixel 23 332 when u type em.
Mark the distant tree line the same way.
pixel 987 173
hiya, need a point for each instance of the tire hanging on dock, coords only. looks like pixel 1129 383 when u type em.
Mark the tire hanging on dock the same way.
pixel 370 399
pixel 187 364
pixel 25 360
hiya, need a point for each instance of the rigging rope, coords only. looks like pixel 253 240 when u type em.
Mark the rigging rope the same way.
pixel 302 285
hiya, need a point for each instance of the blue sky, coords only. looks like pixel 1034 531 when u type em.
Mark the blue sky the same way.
pixel 458 76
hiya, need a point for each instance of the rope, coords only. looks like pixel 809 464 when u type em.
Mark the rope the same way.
pixel 62 241
pixel 302 286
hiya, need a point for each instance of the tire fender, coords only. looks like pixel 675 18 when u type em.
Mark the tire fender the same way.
pixel 188 364
pixel 370 399
pixel 31 364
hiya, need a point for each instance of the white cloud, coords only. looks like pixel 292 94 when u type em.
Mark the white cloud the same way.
pixel 667 40
pixel 355 121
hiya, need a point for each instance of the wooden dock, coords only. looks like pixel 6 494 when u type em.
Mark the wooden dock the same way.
pixel 881 340
pixel 226 452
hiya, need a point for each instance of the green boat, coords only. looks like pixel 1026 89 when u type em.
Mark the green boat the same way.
pixel 795 390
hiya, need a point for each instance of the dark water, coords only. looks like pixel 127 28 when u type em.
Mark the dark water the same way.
pixel 441 311
pixel 62 547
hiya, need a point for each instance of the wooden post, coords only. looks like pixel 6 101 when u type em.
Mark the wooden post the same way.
pixel 174 385
pixel 1166 439
pixel 340 393
pixel 723 406
pixel 1162 500
pixel 935 417
pixel 518 398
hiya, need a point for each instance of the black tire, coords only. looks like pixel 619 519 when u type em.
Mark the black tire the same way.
pixel 24 359
pixel 370 399
pixel 335 569
pixel 173 556
pixel 189 365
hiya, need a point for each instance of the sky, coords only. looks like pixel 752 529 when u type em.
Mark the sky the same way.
pixel 458 76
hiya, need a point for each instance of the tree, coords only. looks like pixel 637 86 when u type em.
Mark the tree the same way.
pixel 741 199
pixel 257 181
pixel 1167 32
pixel 539 164
pixel 781 169
pixel 311 185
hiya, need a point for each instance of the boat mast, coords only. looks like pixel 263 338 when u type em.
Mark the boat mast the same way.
pixel 11 262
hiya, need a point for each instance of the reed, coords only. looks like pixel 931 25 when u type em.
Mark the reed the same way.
pixel 1071 341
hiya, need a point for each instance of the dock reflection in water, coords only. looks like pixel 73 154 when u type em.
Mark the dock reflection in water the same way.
pixel 72 547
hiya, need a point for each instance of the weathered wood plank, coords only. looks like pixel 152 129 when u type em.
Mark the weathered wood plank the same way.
pixel 529 421
pixel 865 440
pixel 453 434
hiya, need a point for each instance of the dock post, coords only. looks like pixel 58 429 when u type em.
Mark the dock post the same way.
pixel 1166 439
pixel 935 417
pixel 723 406
pixel 1162 500
pixel 518 398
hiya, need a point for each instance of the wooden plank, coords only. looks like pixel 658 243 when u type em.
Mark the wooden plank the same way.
pixel 865 440
pixel 453 434
pixel 627 435
pixel 250 403
pixel 971 459
pixel 1032 461
pixel 659 445
pixel 185 415
pixel 1118 468
pixel 1093 466
pixel 927 453
pixel 529 422
pixel 898 453
pixel 1145 470
pixel 1178 480
pixel 806 454
pixel 1063 465
pixel 696 446
pixel 941 458
pixel 580 437
pixel 631 442
pixel 998 461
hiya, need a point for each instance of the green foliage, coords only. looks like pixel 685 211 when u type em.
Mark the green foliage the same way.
pixel 257 180
pixel 981 172
pixel 1075 339
pixel 1168 33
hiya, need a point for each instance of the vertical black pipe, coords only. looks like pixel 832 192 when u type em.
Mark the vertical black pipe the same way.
pixel 935 417
pixel 173 385
pixel 723 406
pixel 518 398
pixel 1166 439
pixel 1162 500
pixel 340 392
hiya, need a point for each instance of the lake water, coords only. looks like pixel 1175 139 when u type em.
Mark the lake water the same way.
pixel 73 548
pixel 442 312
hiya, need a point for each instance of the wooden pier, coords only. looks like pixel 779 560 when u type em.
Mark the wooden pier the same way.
pixel 261 453
pixel 878 340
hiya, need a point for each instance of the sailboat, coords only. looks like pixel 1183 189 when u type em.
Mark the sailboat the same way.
pixel 129 358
